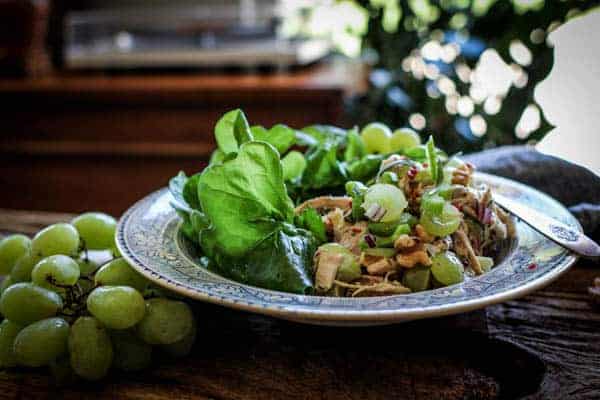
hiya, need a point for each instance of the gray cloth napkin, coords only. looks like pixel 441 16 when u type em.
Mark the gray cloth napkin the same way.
pixel 574 186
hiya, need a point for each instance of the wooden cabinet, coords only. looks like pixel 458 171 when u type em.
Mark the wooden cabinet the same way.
pixel 75 143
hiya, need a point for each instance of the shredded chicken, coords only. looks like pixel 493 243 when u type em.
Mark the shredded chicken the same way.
pixel 326 202
pixel 463 247
pixel 327 265
pixel 381 267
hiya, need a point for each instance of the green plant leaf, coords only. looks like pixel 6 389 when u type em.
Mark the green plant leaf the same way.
pixel 280 262
pixel 245 200
pixel 231 131
pixel 282 137
pixel 311 221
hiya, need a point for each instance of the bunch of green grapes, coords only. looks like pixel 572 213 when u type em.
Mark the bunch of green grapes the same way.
pixel 63 311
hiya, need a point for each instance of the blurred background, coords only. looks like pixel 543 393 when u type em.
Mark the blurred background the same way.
pixel 104 100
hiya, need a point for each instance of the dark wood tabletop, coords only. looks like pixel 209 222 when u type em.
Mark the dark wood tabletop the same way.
pixel 543 346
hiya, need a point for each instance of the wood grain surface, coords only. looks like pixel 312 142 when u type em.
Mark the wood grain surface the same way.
pixel 543 346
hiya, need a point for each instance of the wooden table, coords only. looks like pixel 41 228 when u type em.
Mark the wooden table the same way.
pixel 543 346
pixel 114 138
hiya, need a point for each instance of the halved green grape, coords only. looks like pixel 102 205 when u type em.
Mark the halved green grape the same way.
pixel 97 230
pixel 8 332
pixel 87 266
pixel 12 248
pixel 417 279
pixel 21 272
pixel 130 352
pixel 447 268
pixel 293 165
pixel 384 203
pixel 119 273
pixel 90 348
pixel 166 321
pixel 55 271
pixel 25 303
pixel 349 268
pixel 486 263
pixel 376 137
pixel 41 342
pixel 56 239
pixel 404 139
pixel 183 347
pixel 383 228
pixel 117 307
pixel 444 224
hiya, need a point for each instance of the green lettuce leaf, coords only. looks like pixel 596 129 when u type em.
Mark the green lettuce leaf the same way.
pixel 231 131
pixel 245 199
pixel 280 262
pixel 282 137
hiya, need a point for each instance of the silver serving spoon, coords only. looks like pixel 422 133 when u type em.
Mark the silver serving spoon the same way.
pixel 561 233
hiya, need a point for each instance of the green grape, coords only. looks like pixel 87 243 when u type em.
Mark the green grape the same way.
pixel 90 348
pixel 8 332
pixel 183 347
pixel 293 165
pixel 86 266
pixel 130 352
pixel 56 239
pixel 443 224
pixel 26 303
pixel 41 342
pixel 55 271
pixel 376 137
pixel 166 321
pixel 117 307
pixel 97 230
pixel 417 279
pixel 12 248
pixel 447 268
pixel 403 139
pixel 21 272
pixel 119 273
pixel 384 203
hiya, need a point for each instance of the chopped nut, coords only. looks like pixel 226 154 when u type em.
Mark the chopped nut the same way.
pixel 404 242
pixel 423 235
pixel 417 257
pixel 381 267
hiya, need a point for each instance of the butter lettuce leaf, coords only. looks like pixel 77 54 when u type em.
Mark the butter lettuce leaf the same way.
pixel 245 200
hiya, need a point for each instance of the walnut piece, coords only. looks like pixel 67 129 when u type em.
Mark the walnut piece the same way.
pixel 417 257
pixel 404 242
pixel 423 235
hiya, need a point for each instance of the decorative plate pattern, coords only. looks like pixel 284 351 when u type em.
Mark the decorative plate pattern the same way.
pixel 148 237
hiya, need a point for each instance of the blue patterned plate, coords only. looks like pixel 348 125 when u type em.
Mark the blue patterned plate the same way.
pixel 149 238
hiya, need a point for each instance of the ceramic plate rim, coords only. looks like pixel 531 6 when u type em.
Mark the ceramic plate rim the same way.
pixel 315 314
